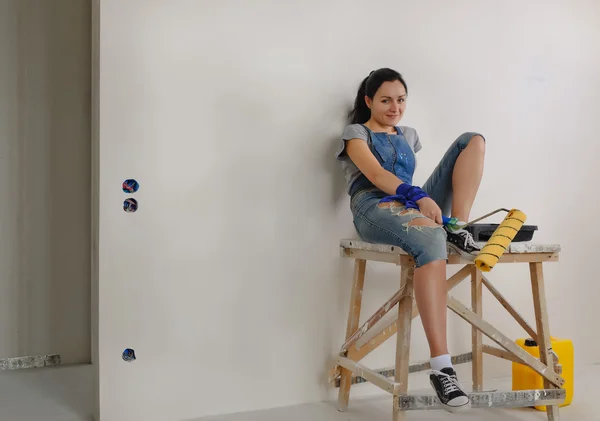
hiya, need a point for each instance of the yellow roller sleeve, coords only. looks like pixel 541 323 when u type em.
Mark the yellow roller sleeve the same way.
pixel 500 240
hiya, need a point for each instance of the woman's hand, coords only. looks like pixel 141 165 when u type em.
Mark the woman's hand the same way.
pixel 430 209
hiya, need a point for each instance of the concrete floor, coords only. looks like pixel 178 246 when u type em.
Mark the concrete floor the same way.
pixel 47 394
pixel 65 394
pixel 380 408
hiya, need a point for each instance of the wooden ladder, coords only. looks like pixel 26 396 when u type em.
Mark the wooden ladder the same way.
pixel 362 340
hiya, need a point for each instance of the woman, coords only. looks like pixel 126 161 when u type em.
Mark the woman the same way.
pixel 378 158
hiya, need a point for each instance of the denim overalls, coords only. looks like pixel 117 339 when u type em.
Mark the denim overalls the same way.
pixel 388 223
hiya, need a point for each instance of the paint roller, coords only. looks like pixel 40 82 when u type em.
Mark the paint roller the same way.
pixel 498 243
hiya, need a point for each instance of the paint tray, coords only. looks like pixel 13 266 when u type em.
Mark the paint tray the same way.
pixel 483 232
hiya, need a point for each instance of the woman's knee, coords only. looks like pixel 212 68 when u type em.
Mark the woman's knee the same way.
pixel 428 241
pixel 471 138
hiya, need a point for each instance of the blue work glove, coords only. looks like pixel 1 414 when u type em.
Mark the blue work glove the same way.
pixel 412 193
pixel 406 194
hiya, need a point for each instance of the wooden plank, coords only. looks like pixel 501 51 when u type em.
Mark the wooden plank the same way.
pixel 456 360
pixel 382 311
pixel 511 310
pixel 453 259
pixel 370 375
pixel 505 342
pixel 529 247
pixel 513 248
pixel 358 284
pixel 372 256
pixel 512 399
pixel 383 334
pixel 375 247
pixel 405 318
pixel 529 257
pixel 510 258
pixel 413 368
pixel 353 320
pixel 500 353
pixel 476 336
pixel 543 328
pixel 456 259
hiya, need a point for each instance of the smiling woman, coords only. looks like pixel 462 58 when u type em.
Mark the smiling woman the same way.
pixel 378 157
pixel 385 103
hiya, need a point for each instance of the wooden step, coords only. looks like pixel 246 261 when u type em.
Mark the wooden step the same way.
pixel 390 372
pixel 512 399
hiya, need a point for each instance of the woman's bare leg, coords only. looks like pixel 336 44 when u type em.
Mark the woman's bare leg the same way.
pixel 430 292
pixel 466 178
pixel 429 285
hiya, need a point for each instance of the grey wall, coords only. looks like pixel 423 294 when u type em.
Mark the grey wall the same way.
pixel 45 178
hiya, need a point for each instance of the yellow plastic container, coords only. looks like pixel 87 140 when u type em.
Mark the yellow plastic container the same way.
pixel 524 378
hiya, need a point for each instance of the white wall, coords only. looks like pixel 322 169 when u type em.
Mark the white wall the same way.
pixel 228 114
pixel 44 178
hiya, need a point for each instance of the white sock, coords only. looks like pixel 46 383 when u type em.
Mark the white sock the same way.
pixel 441 361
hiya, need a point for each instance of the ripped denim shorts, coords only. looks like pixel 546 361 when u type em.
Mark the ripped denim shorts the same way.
pixel 389 223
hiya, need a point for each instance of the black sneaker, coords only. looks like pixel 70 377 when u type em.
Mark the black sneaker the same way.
pixel 449 391
pixel 463 243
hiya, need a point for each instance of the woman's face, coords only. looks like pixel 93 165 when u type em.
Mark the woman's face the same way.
pixel 388 104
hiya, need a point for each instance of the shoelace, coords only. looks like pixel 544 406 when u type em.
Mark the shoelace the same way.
pixel 469 242
pixel 449 383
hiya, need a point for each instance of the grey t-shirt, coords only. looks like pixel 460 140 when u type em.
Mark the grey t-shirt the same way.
pixel 358 131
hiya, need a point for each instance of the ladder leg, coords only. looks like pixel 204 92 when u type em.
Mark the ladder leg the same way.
pixel 543 328
pixel 353 320
pixel 405 309
pixel 477 337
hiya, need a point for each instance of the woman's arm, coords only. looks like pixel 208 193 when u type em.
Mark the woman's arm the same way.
pixel 362 157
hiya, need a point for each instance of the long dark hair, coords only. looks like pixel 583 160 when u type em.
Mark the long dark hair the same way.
pixel 361 113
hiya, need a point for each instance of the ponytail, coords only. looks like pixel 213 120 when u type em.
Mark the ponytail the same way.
pixel 361 113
